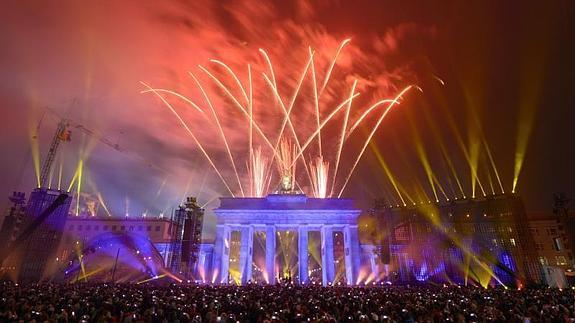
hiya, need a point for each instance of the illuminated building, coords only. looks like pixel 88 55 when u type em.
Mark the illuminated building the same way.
pixel 12 221
pixel 11 225
pixel 87 229
pixel 484 241
pixel 554 255
pixel 134 248
pixel 313 240
pixel 42 243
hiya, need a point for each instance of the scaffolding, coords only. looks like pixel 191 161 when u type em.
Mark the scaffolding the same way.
pixel 177 230
pixel 187 226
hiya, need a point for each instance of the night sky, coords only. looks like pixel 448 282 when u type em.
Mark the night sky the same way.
pixel 498 75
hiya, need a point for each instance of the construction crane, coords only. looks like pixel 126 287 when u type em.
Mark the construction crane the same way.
pixel 63 134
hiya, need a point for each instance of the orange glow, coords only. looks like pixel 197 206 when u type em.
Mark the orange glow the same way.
pixel 184 124
pixel 220 129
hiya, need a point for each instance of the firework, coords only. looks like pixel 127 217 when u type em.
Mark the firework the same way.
pixel 319 169
pixel 286 165
pixel 288 146
pixel 258 173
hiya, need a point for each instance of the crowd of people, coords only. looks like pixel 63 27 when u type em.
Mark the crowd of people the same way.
pixel 280 303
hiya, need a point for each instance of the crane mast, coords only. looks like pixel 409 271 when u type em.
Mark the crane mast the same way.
pixel 62 134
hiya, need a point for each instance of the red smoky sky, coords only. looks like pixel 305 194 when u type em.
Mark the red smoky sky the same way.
pixel 496 75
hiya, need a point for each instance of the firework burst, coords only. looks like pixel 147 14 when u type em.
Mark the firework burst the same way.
pixel 285 142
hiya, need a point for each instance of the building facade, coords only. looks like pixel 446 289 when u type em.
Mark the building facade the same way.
pixel 484 241
pixel 93 248
pixel 40 246
pixel 553 252
pixel 285 236
pixel 548 233
pixel 83 230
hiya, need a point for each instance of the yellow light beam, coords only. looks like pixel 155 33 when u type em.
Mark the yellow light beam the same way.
pixel 441 189
pixel 460 142
pixel 209 201
pixel 422 155
pixel 446 156
pixel 394 182
pixel 524 127
pixel 103 204
pixel 151 279
pixel 490 180
pixel 534 61
pixel 430 211
pixel 50 177
pixel 187 189
pixel 60 171
pixel 476 134
pixel 35 151
pixel 428 171
pixel 73 181
pixel 372 133
pixel 492 161
pixel 79 186
pixel 473 154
